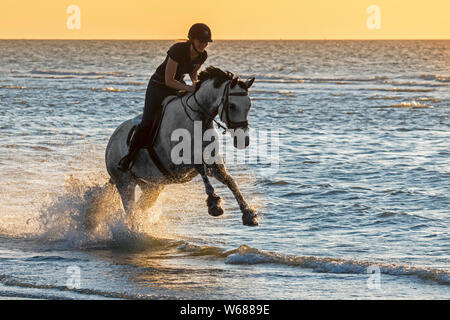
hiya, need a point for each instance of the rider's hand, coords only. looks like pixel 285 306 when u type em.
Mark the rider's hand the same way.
pixel 192 88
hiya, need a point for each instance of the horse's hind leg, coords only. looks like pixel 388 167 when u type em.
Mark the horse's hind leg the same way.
pixel 127 194
pixel 150 193
pixel 101 198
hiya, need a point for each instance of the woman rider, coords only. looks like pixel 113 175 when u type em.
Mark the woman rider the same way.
pixel 182 57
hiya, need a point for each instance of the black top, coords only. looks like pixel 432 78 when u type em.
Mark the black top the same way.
pixel 180 52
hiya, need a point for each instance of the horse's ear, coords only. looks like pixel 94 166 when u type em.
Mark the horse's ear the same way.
pixel 233 82
pixel 249 83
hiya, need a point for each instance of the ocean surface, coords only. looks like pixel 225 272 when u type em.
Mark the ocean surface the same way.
pixel 357 208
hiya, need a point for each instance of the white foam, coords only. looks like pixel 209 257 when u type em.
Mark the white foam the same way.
pixel 248 255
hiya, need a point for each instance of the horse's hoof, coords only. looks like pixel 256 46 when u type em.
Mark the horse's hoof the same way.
pixel 249 220
pixel 215 211
pixel 213 202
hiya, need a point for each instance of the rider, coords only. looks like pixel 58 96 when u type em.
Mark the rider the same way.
pixel 182 57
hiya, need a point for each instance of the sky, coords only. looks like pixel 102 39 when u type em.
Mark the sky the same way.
pixel 228 19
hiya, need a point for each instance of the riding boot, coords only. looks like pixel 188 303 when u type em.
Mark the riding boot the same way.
pixel 153 125
pixel 136 142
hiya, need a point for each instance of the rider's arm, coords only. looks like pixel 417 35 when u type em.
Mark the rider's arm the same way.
pixel 193 74
pixel 171 69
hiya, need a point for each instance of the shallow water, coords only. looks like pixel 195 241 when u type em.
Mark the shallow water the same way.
pixel 361 183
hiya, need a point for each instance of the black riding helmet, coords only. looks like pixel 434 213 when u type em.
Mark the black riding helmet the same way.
pixel 200 31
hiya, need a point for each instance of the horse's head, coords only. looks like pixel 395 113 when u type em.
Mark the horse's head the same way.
pixel 233 110
pixel 230 100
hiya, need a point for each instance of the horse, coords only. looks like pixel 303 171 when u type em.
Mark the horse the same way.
pixel 217 93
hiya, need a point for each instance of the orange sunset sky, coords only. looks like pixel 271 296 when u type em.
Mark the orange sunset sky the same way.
pixel 228 19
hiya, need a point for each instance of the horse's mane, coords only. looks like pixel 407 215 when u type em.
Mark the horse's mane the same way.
pixel 218 75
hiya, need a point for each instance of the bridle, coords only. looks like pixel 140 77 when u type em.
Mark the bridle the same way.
pixel 225 102
pixel 226 108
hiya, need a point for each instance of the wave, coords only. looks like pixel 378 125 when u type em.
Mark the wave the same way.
pixel 284 92
pixel 435 77
pixel 378 97
pixel 411 104
pixel 251 256
pixel 50 259
pixel 382 79
pixel 413 83
pixel 264 78
pixel 429 99
pixel 400 89
pixel 285 78
pixel 80 73
pixel 41 148
pixel 10 281
pixel 58 77
pixel 43 76
pixel 277 183
pixel 13 87
pixel 109 89
pixel 280 81
pixel 127 83
pixel 279 78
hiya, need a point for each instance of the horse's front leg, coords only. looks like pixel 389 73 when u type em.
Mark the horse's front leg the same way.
pixel 248 214
pixel 213 201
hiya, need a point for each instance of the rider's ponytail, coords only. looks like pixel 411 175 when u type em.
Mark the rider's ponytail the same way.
pixel 183 40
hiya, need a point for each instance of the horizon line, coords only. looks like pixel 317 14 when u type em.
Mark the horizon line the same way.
pixel 273 39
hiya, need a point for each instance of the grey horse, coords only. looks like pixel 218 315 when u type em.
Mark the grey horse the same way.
pixel 217 93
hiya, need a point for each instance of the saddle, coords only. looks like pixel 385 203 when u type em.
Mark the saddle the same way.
pixel 149 145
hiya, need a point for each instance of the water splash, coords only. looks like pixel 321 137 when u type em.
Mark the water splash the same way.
pixel 88 215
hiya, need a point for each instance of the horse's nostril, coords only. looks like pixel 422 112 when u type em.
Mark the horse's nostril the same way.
pixel 241 138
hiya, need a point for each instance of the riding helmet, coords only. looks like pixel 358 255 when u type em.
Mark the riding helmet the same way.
pixel 200 31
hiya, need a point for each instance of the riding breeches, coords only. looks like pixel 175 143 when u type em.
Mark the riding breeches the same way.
pixel 154 97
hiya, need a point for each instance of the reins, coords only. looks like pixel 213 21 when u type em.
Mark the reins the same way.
pixel 225 101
